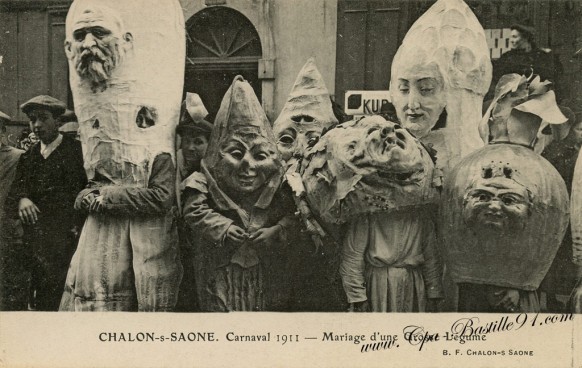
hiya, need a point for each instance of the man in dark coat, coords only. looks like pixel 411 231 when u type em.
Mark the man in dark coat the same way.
pixel 48 178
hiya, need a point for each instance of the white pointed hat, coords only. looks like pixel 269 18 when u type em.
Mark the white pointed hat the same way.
pixel 309 96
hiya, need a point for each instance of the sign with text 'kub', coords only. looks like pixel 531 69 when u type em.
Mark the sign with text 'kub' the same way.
pixel 365 102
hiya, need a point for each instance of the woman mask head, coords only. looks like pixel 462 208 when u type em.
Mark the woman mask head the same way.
pixel 418 94
pixel 447 45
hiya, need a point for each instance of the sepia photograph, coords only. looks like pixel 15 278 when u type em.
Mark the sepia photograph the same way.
pixel 296 183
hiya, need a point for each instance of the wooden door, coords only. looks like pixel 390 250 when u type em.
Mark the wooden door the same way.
pixel 369 33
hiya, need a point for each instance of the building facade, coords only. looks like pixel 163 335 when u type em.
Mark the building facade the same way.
pixel 268 41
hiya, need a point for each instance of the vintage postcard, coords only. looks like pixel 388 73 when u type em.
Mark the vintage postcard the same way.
pixel 290 183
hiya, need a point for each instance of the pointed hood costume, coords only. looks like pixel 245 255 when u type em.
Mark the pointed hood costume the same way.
pixel 307 112
pixel 241 117
pixel 238 186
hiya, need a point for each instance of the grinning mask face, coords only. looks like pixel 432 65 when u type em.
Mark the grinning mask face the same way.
pixel 497 206
pixel 419 97
pixel 246 163
pixel 98 45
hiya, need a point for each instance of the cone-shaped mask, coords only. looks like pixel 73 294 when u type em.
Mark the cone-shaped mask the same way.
pixel 306 113
pixel 242 154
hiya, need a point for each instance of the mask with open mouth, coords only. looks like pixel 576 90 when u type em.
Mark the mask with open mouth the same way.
pixel 365 166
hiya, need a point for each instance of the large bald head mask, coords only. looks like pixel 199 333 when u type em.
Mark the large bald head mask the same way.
pixel 97 43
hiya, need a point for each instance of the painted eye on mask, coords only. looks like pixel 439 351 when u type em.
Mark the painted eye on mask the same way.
pixel 510 199
pixel 286 139
pixel 79 35
pixel 312 141
pixel 482 197
pixel 260 156
pixel 303 118
pixel 237 154
pixel 99 33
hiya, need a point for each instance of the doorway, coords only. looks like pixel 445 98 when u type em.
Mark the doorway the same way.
pixel 221 44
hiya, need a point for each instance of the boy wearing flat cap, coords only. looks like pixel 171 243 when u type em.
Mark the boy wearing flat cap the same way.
pixel 48 177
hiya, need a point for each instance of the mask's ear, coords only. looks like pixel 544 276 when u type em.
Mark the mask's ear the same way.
pixel 128 44
pixel 128 37
pixel 68 50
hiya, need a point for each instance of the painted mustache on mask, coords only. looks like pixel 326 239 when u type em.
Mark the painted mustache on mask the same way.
pixel 97 63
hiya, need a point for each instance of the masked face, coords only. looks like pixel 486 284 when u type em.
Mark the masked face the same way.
pixel 295 136
pixel 247 162
pixel 379 149
pixel 97 46
pixel 419 97
pixel 496 206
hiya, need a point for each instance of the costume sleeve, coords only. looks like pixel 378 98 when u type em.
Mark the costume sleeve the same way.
pixel 156 199
pixel 353 263
pixel 202 219
pixel 432 268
